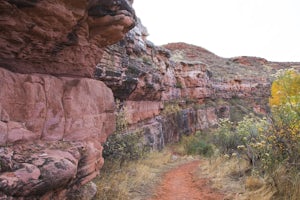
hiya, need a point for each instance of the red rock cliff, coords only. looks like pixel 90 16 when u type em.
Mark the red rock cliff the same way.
pixel 53 116
pixel 60 37
pixel 180 88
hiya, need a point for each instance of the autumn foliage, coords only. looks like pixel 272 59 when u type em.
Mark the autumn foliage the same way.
pixel 285 105
pixel 271 144
pixel 285 89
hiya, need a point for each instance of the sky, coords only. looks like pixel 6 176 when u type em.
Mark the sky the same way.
pixel 263 28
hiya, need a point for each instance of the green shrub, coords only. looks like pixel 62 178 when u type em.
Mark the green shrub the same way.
pixel 225 138
pixel 285 106
pixel 199 148
pixel 171 107
pixel 197 145
pixel 247 137
pixel 124 147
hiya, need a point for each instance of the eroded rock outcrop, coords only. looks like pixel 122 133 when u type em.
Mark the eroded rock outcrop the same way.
pixel 51 108
pixel 52 129
pixel 60 37
pixel 180 88
pixel 53 116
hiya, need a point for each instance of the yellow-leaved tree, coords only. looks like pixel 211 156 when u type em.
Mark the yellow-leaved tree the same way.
pixel 286 89
pixel 285 105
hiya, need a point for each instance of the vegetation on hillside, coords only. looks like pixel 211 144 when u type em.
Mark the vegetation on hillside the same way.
pixel 257 157
pixel 270 144
pixel 260 153
pixel 123 145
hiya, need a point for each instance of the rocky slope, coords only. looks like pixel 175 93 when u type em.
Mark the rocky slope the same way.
pixel 63 64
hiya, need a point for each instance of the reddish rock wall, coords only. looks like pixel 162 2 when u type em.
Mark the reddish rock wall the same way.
pixel 52 109
pixel 60 37
pixel 67 118
pixel 53 116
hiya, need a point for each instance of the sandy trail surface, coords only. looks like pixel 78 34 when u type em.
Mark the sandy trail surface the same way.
pixel 182 183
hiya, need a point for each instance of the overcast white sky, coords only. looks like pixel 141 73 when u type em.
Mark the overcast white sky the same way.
pixel 262 28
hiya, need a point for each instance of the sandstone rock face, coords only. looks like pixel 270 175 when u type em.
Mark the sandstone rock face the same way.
pixel 42 170
pixel 68 118
pixel 53 116
pixel 66 35
pixel 47 170
pixel 43 107
pixel 140 110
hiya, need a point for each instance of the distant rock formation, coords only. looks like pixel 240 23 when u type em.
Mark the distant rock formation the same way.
pixel 180 88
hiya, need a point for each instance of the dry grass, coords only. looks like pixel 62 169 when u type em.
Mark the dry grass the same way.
pixel 134 180
pixel 137 180
pixel 178 149
pixel 222 169
pixel 265 192
pixel 287 183
pixel 232 175
pixel 253 183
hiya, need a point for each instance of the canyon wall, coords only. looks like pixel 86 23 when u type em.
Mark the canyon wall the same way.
pixel 179 88
pixel 64 64
pixel 54 116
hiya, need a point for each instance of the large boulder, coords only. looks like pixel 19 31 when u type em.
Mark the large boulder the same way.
pixel 51 131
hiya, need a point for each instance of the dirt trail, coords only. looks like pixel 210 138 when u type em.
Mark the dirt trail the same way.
pixel 181 183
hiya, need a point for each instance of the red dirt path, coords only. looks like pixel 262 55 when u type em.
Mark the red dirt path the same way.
pixel 181 183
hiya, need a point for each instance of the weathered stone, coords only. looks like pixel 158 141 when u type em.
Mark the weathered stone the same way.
pixel 154 135
pixel 36 169
pixel 3 133
pixel 18 133
pixel 67 35
pixel 4 117
pixel 49 108
pixel 86 192
pixel 137 111
pixel 45 108
pixel 41 169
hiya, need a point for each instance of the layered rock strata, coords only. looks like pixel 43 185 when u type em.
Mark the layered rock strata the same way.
pixel 53 116
pixel 60 37
pixel 180 88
